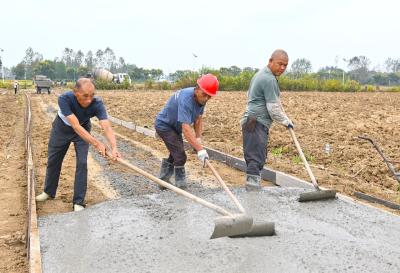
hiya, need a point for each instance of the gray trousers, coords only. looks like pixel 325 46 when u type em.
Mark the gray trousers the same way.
pixel 60 138
pixel 255 141
pixel 174 142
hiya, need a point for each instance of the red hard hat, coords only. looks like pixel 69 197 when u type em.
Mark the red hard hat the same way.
pixel 209 84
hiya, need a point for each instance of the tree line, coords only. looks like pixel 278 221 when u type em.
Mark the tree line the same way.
pixel 74 64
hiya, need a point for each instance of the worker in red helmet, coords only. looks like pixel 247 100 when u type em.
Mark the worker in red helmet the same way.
pixel 182 110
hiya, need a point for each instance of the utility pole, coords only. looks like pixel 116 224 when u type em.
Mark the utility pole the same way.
pixel 2 64
pixel 25 73
pixel 344 60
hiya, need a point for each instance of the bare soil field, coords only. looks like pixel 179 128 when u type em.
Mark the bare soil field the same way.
pixel 13 197
pixel 12 184
pixel 41 126
pixel 320 118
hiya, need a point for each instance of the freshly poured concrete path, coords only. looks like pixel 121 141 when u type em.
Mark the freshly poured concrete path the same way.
pixel 162 232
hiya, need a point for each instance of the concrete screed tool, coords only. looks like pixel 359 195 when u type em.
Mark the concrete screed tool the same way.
pixel 257 229
pixel 318 194
pixel 228 225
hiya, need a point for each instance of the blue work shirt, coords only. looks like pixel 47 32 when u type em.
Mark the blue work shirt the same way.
pixel 68 104
pixel 180 108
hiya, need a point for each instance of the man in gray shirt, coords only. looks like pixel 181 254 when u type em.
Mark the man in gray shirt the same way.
pixel 263 107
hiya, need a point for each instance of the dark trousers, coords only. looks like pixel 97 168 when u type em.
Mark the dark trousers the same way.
pixel 255 141
pixel 174 142
pixel 60 138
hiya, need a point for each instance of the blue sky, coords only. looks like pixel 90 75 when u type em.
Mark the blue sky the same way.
pixel 164 34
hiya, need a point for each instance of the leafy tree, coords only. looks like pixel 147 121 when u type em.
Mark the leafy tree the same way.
pixel 136 73
pixel 392 65
pixel 109 59
pixel 380 78
pixel 71 73
pixel 19 71
pixel 330 72
pixel 90 60
pixel 179 74
pixel 393 79
pixel 206 70
pixel 30 59
pixel 60 70
pixel 359 68
pixel 300 67
pixel 78 59
pixel 250 69
pixel 121 66
pixel 68 56
pixel 230 71
pixel 82 71
pixel 156 74
pixel 46 68
pixel 99 59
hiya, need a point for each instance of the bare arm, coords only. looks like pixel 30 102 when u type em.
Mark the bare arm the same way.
pixel 198 126
pixel 109 133
pixel 191 137
pixel 85 135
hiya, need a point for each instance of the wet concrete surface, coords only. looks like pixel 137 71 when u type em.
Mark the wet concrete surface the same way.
pixel 125 181
pixel 162 232
pixel 149 230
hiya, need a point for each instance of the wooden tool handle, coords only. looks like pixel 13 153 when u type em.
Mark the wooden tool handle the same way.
pixel 303 158
pixel 173 188
pixel 233 197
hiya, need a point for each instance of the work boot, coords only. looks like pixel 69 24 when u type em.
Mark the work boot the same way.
pixel 78 207
pixel 180 177
pixel 42 197
pixel 253 182
pixel 166 171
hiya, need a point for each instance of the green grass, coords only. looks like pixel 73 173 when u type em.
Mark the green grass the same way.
pixel 297 159
pixel 278 151
pixel 23 84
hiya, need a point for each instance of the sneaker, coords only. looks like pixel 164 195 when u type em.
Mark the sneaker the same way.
pixel 78 207
pixel 42 197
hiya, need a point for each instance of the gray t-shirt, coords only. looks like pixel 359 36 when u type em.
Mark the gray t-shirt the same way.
pixel 263 89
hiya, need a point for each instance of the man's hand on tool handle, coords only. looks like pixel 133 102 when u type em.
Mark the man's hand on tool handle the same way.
pixel 115 154
pixel 100 148
pixel 202 155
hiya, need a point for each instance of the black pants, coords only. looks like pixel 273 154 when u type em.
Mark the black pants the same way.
pixel 15 90
pixel 60 138
pixel 174 142
pixel 255 143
